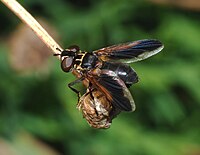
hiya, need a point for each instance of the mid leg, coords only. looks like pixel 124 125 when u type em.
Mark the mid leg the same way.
pixel 90 90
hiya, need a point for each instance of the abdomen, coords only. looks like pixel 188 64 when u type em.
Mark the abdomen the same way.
pixel 125 72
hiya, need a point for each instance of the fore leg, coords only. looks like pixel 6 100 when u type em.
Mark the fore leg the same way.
pixel 73 89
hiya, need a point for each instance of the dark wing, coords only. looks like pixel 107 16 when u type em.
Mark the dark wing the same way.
pixel 114 89
pixel 131 51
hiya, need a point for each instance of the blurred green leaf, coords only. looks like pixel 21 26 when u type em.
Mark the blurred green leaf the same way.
pixel 166 120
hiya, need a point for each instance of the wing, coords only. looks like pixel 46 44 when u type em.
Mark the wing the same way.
pixel 131 51
pixel 114 89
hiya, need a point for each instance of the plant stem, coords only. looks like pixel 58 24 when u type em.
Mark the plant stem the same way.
pixel 26 17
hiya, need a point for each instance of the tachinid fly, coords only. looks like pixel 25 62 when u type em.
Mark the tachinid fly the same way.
pixel 107 77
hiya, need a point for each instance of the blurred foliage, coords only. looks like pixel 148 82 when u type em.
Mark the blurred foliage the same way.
pixel 167 119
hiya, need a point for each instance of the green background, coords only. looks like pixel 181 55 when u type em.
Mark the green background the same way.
pixel 41 106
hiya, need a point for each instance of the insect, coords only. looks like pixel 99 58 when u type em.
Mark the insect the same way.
pixel 107 77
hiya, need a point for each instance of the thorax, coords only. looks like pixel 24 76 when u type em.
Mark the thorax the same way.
pixel 85 61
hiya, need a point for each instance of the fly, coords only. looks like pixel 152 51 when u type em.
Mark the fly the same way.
pixel 107 77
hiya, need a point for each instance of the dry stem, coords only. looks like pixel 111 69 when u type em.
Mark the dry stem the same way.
pixel 26 17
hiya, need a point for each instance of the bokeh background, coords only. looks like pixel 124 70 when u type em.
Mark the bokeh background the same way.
pixel 38 114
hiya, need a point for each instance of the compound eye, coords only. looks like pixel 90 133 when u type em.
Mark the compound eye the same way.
pixel 67 64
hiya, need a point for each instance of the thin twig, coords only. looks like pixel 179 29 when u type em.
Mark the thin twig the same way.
pixel 26 17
